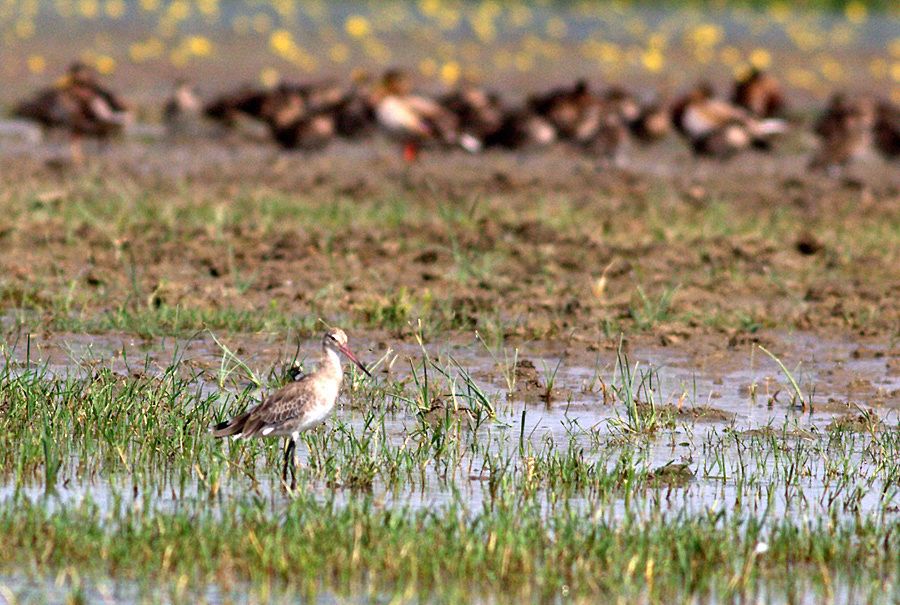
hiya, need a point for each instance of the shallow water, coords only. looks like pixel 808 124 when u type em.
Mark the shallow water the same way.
pixel 733 470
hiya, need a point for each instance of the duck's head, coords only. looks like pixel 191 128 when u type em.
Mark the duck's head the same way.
pixel 396 82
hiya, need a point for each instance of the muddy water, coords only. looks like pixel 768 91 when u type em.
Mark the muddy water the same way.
pixel 709 388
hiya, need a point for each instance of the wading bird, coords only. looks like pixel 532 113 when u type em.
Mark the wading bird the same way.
pixel 80 105
pixel 298 406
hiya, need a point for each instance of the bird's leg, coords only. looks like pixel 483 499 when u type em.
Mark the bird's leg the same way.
pixel 295 462
pixel 288 456
pixel 410 152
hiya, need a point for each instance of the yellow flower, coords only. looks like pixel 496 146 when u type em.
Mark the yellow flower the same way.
pixel 730 56
pixel 210 8
pixel 653 60
pixel 24 28
pixel 878 68
pixel 429 8
pixel 282 42
pixel 832 70
pixel 151 49
pixel 150 5
pixel 428 67
pixel 114 9
pixel 199 46
pixel 556 27
pixel 450 72
pixel 895 71
pixel 179 10
pixel 706 34
pixel 894 48
pixel 802 78
pixel 339 53
pixel 357 26
pixel 523 61
pixel 36 64
pixel 269 77
pixel 856 12
pixel 760 58
pixel 105 64
pixel 780 12
pixel 520 16
pixel 261 23
pixel 88 8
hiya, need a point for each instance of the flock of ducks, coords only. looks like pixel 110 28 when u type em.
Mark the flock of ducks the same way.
pixel 308 116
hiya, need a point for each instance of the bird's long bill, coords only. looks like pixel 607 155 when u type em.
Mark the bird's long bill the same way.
pixel 350 355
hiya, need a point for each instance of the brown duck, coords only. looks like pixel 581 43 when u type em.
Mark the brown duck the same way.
pixel 759 93
pixel 79 105
pixel 845 131
pixel 415 119
pixel 718 128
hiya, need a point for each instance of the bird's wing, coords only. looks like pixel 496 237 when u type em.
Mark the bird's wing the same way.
pixel 397 115
pixel 287 403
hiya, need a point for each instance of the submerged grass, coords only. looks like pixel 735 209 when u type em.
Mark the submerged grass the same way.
pixel 523 514
pixel 450 555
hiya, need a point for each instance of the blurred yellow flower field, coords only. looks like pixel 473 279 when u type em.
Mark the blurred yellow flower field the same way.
pixel 448 42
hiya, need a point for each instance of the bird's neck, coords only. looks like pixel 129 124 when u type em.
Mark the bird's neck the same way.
pixel 330 362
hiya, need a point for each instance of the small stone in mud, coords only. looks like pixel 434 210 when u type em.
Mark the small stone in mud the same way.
pixel 703 413
pixel 427 257
pixel 671 475
pixel 440 412
pixel 527 376
pixel 863 422
pixel 808 244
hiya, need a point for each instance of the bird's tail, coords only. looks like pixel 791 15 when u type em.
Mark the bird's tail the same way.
pixel 235 426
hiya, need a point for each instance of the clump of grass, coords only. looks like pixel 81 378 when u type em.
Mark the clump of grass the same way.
pixel 798 394
pixel 649 312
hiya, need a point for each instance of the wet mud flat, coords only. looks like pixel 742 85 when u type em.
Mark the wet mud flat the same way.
pixel 157 238
pixel 625 440
pixel 572 394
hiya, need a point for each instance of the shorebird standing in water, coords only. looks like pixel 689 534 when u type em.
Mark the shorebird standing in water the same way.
pixel 298 406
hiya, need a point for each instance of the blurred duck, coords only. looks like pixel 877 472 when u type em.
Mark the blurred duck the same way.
pixel 647 123
pixel 484 116
pixel 717 128
pixel 480 113
pixel 294 121
pixel 759 93
pixel 80 105
pixel 522 129
pixel 596 125
pixel 228 108
pixel 416 119
pixel 887 130
pixel 181 112
pixel 564 107
pixel 845 132
pixel 354 114
pixel 601 131
pixel 653 124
